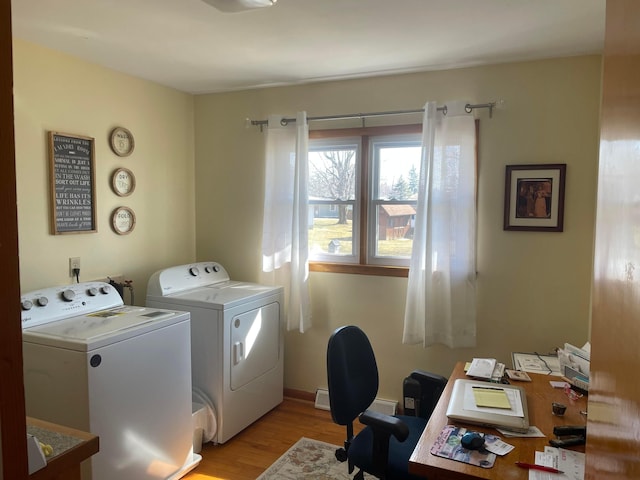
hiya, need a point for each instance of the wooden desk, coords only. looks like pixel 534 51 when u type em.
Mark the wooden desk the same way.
pixel 65 462
pixel 540 394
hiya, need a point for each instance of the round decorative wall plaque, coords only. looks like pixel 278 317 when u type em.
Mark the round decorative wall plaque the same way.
pixel 123 182
pixel 123 220
pixel 121 141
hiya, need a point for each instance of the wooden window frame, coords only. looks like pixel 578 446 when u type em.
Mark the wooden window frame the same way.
pixel 364 133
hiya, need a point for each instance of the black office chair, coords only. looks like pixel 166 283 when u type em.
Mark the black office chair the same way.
pixel 384 446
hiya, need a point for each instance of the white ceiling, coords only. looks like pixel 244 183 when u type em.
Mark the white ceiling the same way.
pixel 192 47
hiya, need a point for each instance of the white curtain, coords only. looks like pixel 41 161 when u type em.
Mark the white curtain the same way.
pixel 441 293
pixel 284 233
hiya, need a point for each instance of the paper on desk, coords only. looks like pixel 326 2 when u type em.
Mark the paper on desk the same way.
pixel 496 375
pixel 495 445
pixel 491 397
pixel 515 401
pixel 482 367
pixel 532 432
pixel 569 462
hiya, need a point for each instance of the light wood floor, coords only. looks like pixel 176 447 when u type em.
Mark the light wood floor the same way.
pixel 248 454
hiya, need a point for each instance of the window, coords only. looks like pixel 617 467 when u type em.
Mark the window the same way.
pixel 363 186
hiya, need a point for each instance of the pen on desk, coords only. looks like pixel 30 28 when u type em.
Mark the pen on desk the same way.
pixel 489 388
pixel 531 466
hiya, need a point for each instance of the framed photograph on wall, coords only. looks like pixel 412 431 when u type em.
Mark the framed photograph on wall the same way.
pixel 534 197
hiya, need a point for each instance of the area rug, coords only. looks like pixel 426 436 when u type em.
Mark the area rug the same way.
pixel 308 459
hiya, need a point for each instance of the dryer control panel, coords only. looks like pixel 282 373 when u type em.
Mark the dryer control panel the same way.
pixel 56 303
pixel 186 277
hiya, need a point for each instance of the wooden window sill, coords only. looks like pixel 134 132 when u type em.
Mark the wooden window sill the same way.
pixel 377 270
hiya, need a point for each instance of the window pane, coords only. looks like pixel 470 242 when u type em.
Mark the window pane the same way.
pixel 331 230
pixel 394 230
pixel 332 173
pixel 398 171
pixel 332 200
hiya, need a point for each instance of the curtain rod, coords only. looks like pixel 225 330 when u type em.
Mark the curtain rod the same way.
pixel 468 108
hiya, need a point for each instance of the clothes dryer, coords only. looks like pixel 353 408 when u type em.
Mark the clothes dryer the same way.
pixel 237 341
pixel 120 372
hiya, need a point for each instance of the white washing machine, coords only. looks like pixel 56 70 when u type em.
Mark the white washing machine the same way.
pixel 120 372
pixel 237 341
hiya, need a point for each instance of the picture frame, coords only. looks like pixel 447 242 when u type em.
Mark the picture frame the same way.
pixel 72 183
pixel 534 197
pixel 536 363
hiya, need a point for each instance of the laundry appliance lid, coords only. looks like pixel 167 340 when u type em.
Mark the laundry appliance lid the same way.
pixel 220 295
pixel 105 327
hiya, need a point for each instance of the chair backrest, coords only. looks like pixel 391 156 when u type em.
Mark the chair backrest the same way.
pixel 352 374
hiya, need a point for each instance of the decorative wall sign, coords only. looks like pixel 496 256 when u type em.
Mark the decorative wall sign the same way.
pixel 534 197
pixel 121 141
pixel 123 220
pixel 123 182
pixel 72 177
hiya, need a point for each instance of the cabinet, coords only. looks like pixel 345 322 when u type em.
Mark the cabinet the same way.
pixel 70 448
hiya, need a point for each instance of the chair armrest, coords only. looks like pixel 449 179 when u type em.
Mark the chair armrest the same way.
pixel 385 423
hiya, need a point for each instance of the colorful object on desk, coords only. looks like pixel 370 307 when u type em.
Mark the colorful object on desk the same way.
pixel 571 393
pixel 448 445
pixel 532 466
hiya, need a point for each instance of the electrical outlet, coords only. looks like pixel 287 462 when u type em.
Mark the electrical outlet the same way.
pixel 74 263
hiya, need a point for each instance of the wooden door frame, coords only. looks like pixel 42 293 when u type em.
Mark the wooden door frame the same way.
pixel 13 445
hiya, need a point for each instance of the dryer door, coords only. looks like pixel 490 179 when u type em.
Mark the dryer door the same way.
pixel 255 344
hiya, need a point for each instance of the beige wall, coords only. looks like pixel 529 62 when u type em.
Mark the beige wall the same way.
pixel 56 92
pixel 202 199
pixel 533 288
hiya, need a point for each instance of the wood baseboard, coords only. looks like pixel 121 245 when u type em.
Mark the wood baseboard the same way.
pixel 300 395
pixel 311 397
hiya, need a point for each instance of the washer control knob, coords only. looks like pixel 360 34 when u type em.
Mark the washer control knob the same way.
pixel 42 301
pixel 68 295
pixel 194 271
pixel 208 268
pixel 27 304
pixel 93 291
pixel 216 268
pixel 105 289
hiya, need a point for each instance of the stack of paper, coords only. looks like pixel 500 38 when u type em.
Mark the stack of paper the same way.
pixel 491 397
pixel 482 367
pixel 486 368
pixel 567 461
pixel 498 372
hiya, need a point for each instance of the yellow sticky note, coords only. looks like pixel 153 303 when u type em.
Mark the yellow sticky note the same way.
pixel 491 397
